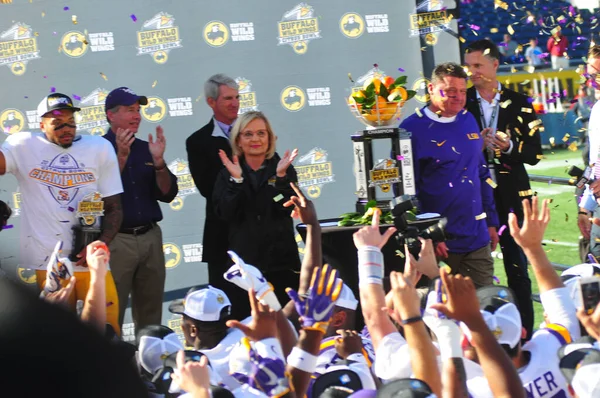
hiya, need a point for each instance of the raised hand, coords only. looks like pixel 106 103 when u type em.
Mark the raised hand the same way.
pixel 234 168
pixel 125 138
pixel 97 258
pixel 462 303
pixel 264 320
pixel 370 236
pixel 304 209
pixel 157 148
pixel 191 376
pixel 61 296
pixel 349 342
pixel 317 307
pixel 534 224
pixel 285 162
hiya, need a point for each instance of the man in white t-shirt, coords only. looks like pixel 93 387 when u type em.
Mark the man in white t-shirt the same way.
pixel 55 170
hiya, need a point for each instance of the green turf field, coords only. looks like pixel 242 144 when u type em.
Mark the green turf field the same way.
pixel 562 235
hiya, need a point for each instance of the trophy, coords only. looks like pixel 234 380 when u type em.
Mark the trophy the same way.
pixel 377 102
pixel 89 212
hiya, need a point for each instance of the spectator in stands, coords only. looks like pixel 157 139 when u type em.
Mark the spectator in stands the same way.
pixel 533 53
pixel 508 49
pixel 249 195
pixel 557 47
pixel 450 172
pixel 507 122
pixel 583 109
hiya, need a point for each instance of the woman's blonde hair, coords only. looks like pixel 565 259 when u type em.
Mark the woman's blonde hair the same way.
pixel 241 123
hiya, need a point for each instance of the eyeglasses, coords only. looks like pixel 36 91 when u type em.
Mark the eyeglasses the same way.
pixel 248 135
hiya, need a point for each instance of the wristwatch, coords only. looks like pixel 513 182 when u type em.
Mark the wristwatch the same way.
pixel 236 180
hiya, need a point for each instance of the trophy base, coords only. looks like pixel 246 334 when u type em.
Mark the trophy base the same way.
pixel 83 236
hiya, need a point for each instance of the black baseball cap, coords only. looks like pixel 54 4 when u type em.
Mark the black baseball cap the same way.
pixel 123 96
pixel 342 378
pixel 54 102
pixel 571 356
pixel 405 388
pixel 495 296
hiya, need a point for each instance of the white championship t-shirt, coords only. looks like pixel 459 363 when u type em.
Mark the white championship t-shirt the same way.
pixel 52 181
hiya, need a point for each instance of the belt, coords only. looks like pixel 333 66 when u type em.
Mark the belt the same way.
pixel 137 230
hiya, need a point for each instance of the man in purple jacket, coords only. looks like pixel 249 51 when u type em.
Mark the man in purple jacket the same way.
pixel 452 177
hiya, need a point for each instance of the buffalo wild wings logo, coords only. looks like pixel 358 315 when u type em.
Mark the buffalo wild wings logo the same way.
pixel 74 44
pixel 216 33
pixel 33 120
pixel 352 25
pixel 180 106
pixel 63 176
pixel 293 98
pixel 12 121
pixel 192 253
pixel 172 255
pixel 298 27
pixel 247 96
pixel 18 46
pixel 185 182
pixel 314 171
pixel 26 275
pixel 158 37
pixel 155 111
pixel 92 117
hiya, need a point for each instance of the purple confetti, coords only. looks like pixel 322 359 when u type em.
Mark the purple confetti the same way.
pixel 474 27
pixel 564 93
pixel 401 70
pixel 78 98
pixel 442 93
pixel 65 8
pixel 502 228
pixel 70 209
pixel 133 18
pixel 530 100
pixel 9 226
pixel 45 77
pixel 399 157
pixel 52 89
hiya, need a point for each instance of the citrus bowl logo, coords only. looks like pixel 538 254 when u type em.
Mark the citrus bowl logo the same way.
pixel 74 44
pixel 155 111
pixel 293 98
pixel 247 96
pixel 26 275
pixel 352 25
pixel 298 27
pixel 11 121
pixel 92 116
pixel 172 255
pixel 158 37
pixel 18 46
pixel 216 33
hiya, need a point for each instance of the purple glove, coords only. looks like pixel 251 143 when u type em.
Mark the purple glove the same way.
pixel 317 307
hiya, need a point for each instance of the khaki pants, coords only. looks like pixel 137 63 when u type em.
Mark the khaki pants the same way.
pixel 137 263
pixel 82 285
pixel 478 265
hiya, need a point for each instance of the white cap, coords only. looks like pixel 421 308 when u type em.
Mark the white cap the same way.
pixel 347 299
pixel 582 270
pixel 586 382
pixel 505 324
pixel 153 350
pixel 206 304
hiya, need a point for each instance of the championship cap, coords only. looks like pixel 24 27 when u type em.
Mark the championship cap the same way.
pixel 54 102
pixel 206 304
pixel 585 366
pixel 570 355
pixel 347 299
pixel 177 306
pixel 155 343
pixel 409 388
pixel 123 96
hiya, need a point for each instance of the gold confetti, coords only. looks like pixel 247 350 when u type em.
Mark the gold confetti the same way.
pixel 505 104
pixel 350 77
pixel 43 14
pixel 526 110
pixel 539 157
pixel 518 131
pixel 534 124
pixel 520 119
pixel 198 98
pixel 521 146
pixel 103 76
pixel 491 183
pixel 74 19
pixel 510 29
pixel 154 84
pixel 566 137
pixel 36 34
pixel 462 39
pixel 399 254
pixel 551 139
pixel 486 52
pixel 525 82
pixel 481 216
pixel 494 30
pixel 572 146
pixel 529 69
pixel 455 151
pixel 513 69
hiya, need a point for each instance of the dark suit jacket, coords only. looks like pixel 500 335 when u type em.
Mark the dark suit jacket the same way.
pixel 205 164
pixel 513 181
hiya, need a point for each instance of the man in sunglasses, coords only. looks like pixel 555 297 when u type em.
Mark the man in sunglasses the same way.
pixel 588 206
pixel 56 169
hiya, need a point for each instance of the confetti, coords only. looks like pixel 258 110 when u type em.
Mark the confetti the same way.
pixel 133 17
pixel 399 157
pixel 539 157
pixel 572 146
pixel 566 217
pixel 526 110
pixel 450 184
pixel 481 216
pixel 510 29
pixel 74 19
pixel 78 98
pixel 103 76
pixel 502 228
pixel 455 151
pixel 399 254
pixel 400 69
pixel 529 69
pixel 154 84
pixel 505 104
pixel 491 183
pixel 534 124
pixel 486 52
pixel 350 77
pixel 566 137
pixel 278 198
pixel 9 226
pixel 52 89
pixel 496 280
pixel 525 82
pixel 494 30
pixel 551 139
pixel 65 8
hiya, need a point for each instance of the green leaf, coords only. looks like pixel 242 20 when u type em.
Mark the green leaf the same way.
pixel 383 91
pixel 370 90
pixel 370 203
pixel 411 93
pixel 359 100
pixel 349 215
pixel 400 81
pixel 345 223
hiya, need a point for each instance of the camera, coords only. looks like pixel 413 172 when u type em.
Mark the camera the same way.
pixel 409 233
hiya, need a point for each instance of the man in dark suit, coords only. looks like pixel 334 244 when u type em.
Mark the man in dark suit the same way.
pixel 512 138
pixel 203 147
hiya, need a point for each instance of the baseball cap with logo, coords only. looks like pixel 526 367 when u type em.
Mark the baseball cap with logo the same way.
pixel 155 343
pixel 123 96
pixel 177 306
pixel 207 304
pixel 570 355
pixel 584 365
pixel 55 102
pixel 413 388
pixel 347 299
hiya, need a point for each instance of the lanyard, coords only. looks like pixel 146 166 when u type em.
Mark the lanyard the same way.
pixel 494 114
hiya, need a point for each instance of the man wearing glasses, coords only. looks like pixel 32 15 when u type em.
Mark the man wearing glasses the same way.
pixel 588 205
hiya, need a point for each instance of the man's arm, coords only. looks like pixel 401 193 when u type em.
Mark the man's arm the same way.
pixel 2 164
pixel 113 217
pixel 166 184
